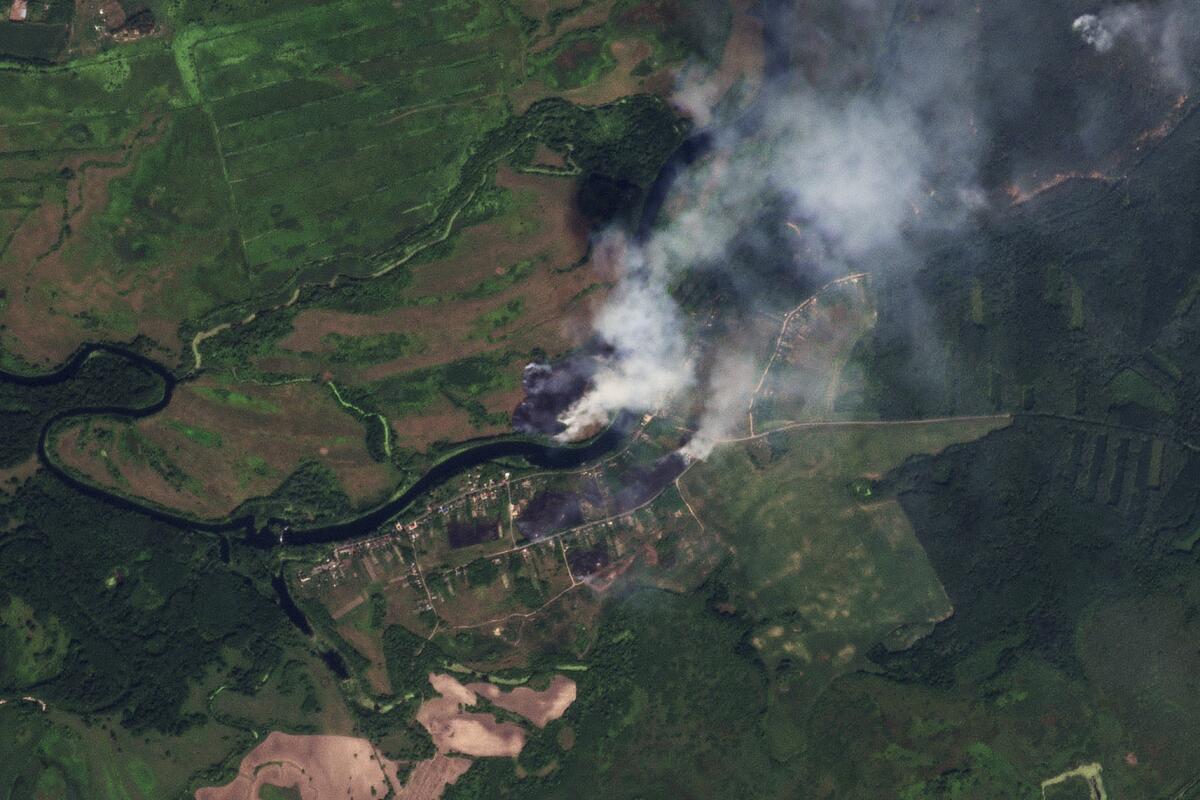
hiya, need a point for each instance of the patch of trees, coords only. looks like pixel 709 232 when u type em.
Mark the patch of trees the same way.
pixel 103 380
pixel 666 678
pixel 238 345
pixel 33 42
pixel 311 494
pixel 602 200
pixel 148 609
pixel 410 659
pixel 1037 555
pixel 628 140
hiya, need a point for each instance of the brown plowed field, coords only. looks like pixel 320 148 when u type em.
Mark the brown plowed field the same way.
pixel 540 708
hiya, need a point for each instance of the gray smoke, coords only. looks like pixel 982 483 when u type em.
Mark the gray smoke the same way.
pixel 727 402
pixel 863 171
pixel 1095 32
pixel 1168 34
pixel 649 360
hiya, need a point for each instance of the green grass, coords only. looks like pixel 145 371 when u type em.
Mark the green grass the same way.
pixel 1132 387
pixel 578 59
pixel 39 758
pixel 823 569
pixel 1076 321
pixel 31 41
pixel 32 646
pixel 798 540
pixel 463 382
pixel 495 284
pixel 136 447
pixel 201 436
pixel 306 106
pixel 977 310
pixel 499 317
pixel 374 348
pixel 251 467
pixel 271 792
pixel 237 400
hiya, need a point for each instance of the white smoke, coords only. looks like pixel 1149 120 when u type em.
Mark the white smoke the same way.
pixel 727 402
pixel 1168 34
pixel 860 171
pixel 855 173
pixel 649 361
pixel 1094 32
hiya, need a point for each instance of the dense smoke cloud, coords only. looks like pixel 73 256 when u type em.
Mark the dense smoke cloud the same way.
pixel 1098 34
pixel 729 390
pixel 861 171
pixel 649 360
pixel 871 144
pixel 1168 34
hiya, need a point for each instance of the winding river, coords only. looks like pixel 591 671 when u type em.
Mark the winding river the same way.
pixel 545 456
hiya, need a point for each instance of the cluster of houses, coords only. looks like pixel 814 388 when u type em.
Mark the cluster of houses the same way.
pixel 113 18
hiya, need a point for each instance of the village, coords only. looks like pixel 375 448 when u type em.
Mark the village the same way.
pixel 107 19
pixel 510 546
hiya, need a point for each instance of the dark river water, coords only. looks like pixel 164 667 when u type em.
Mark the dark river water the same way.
pixel 546 456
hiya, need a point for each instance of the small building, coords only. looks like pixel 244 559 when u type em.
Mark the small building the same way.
pixel 19 11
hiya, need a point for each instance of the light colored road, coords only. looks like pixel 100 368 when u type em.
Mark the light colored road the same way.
pixel 874 423
pixel 787 321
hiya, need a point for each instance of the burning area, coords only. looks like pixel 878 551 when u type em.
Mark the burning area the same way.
pixel 548 513
pixel 465 534
pixel 642 484
pixel 550 389
pixel 589 561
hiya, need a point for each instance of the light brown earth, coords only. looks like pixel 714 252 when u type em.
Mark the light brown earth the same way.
pixel 12 477
pixel 430 777
pixel 450 688
pixel 543 229
pixel 369 646
pixel 592 17
pixel 558 240
pixel 540 708
pixel 618 82
pixel 320 767
pixel 456 731
pixel 540 9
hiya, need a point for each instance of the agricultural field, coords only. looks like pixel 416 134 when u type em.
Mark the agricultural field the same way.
pixel 826 566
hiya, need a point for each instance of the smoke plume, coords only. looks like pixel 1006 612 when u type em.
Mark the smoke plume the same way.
pixel 867 146
pixel 862 173
pixel 648 360
pixel 729 390
pixel 1168 34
